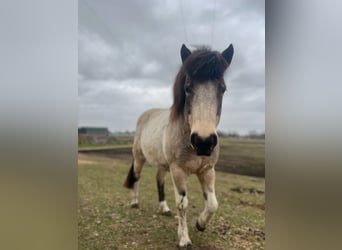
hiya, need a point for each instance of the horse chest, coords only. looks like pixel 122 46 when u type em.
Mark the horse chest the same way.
pixel 197 164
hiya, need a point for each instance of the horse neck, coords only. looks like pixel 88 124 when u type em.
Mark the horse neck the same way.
pixel 183 127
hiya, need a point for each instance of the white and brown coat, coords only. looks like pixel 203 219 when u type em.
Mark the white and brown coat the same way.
pixel 183 139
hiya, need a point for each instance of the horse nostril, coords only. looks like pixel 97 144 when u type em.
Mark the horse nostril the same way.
pixel 194 140
pixel 213 140
pixel 203 146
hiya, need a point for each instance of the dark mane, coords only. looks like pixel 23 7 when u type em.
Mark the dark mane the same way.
pixel 202 65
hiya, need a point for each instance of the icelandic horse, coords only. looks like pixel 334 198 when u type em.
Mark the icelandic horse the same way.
pixel 183 139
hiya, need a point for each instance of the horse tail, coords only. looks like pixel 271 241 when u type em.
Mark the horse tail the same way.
pixel 131 178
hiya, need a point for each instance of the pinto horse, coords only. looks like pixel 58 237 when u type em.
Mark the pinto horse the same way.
pixel 183 139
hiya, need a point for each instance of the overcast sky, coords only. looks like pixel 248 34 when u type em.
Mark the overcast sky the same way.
pixel 129 56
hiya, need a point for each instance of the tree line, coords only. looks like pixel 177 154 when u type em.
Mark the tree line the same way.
pixel 252 134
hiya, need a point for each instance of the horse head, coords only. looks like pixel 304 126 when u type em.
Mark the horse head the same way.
pixel 201 87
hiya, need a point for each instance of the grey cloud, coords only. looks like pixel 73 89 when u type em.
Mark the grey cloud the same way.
pixel 133 46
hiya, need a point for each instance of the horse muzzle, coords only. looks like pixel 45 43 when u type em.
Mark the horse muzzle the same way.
pixel 203 146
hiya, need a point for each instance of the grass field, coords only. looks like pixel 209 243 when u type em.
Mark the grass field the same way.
pixel 237 155
pixel 106 220
pixel 242 156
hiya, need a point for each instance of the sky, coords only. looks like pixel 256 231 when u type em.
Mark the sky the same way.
pixel 129 55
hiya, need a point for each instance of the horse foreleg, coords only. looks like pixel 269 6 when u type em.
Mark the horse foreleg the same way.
pixel 207 180
pixel 179 184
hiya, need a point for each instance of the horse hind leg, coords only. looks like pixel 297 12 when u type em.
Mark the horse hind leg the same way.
pixel 132 180
pixel 161 192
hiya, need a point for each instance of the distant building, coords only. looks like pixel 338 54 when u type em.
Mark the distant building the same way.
pixel 95 134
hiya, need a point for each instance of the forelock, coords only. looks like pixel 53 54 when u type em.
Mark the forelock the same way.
pixel 203 65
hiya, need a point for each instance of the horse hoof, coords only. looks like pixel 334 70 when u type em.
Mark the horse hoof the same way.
pixel 188 246
pixel 199 227
pixel 167 213
pixel 135 205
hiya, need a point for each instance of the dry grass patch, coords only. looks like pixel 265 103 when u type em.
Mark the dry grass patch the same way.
pixel 106 221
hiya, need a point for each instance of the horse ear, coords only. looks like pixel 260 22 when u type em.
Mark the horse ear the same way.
pixel 185 53
pixel 228 53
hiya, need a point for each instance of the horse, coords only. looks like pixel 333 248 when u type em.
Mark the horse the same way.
pixel 183 139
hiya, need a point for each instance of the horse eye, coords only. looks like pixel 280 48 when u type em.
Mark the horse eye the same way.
pixel 222 87
pixel 187 88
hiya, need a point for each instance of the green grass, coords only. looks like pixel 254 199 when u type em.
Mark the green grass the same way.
pixel 106 221
pixel 106 145
pixel 237 155
pixel 103 146
pixel 112 142
pixel 242 156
